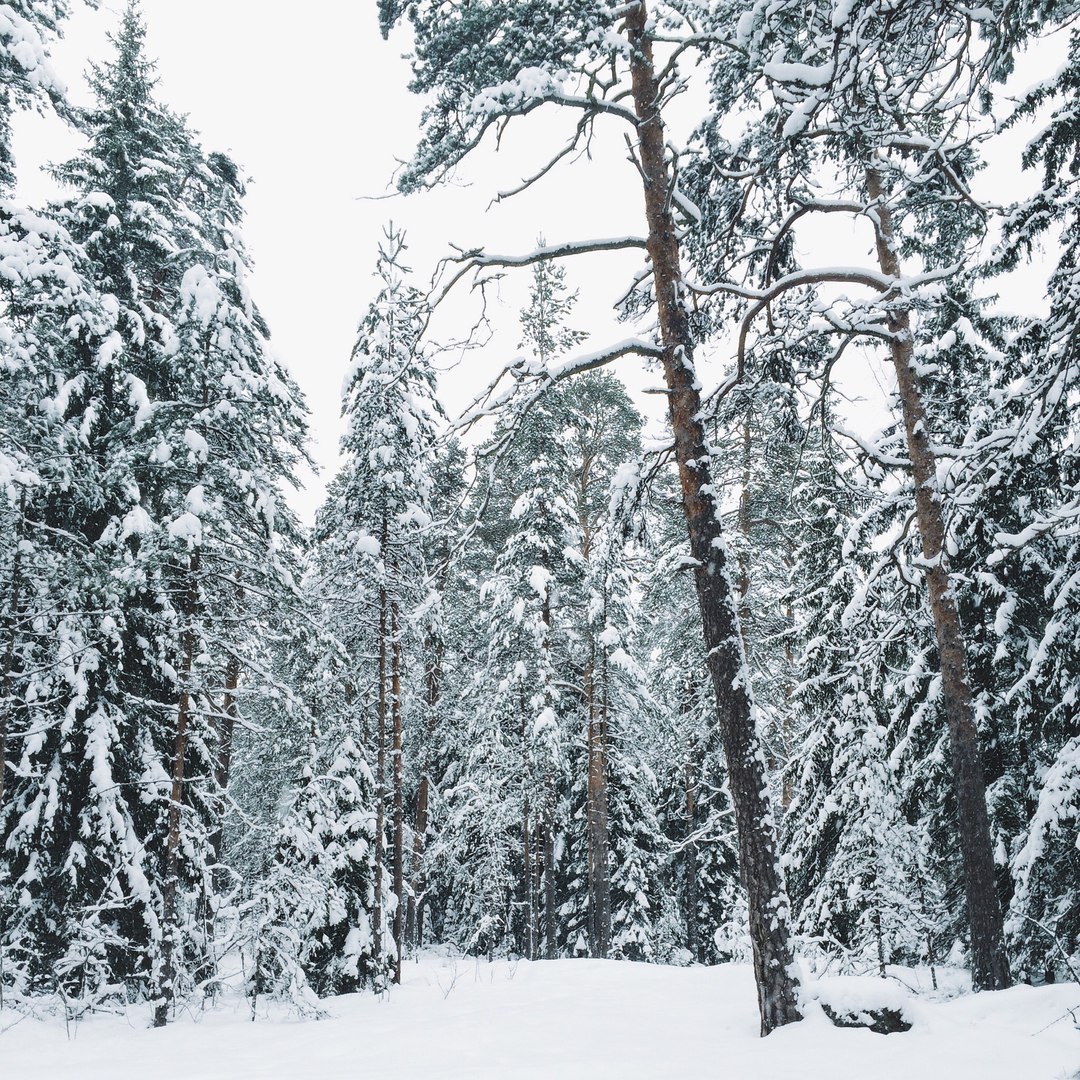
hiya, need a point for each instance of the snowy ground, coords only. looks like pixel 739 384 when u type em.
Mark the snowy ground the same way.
pixel 562 1020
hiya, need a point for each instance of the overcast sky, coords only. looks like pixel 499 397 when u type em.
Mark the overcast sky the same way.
pixel 314 106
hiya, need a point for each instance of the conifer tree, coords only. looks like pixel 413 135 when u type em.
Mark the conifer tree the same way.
pixel 186 430
pixel 314 908
pixel 371 533
pixel 487 64
pixel 831 121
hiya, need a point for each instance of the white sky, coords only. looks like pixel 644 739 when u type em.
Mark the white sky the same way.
pixel 315 109
pixel 314 106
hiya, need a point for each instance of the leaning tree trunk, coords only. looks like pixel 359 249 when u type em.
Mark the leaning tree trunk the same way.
pixel 989 963
pixel 774 968
pixel 171 884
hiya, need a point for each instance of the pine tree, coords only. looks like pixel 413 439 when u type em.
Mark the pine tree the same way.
pixel 827 70
pixel 484 64
pixel 701 878
pixel 851 854
pixel 1028 504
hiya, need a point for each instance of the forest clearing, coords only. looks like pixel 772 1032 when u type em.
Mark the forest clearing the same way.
pixel 470 1019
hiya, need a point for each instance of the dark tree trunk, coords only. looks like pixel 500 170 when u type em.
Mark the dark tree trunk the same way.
pixel 597 817
pixel 226 730
pixel 171 884
pixel 7 676
pixel 399 782
pixel 380 777
pixel 774 968
pixel 989 963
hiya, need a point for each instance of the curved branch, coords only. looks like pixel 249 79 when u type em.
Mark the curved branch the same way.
pixel 477 258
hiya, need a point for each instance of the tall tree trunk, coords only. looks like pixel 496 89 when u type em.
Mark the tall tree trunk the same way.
pixel 226 730
pixel 7 676
pixel 597 816
pixel 774 967
pixel 171 883
pixel 399 782
pixel 380 778
pixel 989 963
pixel 436 650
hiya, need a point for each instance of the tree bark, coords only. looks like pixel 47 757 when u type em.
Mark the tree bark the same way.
pixel 399 781
pixel 989 963
pixel 597 817
pixel 171 883
pixel 774 968
pixel 433 678
pixel 7 678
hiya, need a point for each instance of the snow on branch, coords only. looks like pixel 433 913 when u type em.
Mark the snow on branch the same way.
pixel 477 259
pixel 885 285
pixel 533 380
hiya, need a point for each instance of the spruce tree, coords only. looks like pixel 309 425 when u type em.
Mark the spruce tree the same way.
pixel 372 534
pixel 186 429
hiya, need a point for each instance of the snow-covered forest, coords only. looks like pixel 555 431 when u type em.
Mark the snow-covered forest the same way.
pixel 688 644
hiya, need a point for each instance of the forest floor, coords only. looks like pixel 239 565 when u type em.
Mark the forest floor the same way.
pixel 564 1020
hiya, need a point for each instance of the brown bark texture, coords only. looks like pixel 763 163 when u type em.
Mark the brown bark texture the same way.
pixel 433 682
pixel 7 678
pixel 599 869
pixel 399 781
pixel 989 963
pixel 774 969
pixel 170 885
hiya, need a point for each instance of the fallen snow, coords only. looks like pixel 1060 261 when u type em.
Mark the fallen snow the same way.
pixel 562 1020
